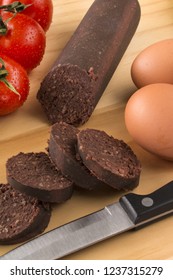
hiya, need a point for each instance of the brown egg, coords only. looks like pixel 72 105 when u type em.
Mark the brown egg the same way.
pixel 154 64
pixel 149 119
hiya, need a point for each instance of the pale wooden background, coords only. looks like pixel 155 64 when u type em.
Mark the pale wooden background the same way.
pixel 27 130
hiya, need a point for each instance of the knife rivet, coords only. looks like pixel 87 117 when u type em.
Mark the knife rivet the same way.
pixel 147 202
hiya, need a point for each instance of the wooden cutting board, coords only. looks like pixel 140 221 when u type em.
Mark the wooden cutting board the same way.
pixel 27 130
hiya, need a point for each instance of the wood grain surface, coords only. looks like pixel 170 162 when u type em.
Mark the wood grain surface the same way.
pixel 27 130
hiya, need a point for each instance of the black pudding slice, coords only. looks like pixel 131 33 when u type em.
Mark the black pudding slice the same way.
pixel 35 175
pixel 21 217
pixel 62 151
pixel 109 159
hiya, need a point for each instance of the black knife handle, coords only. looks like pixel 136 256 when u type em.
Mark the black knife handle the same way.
pixel 145 208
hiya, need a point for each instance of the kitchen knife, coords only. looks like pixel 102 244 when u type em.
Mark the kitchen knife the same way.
pixel 131 211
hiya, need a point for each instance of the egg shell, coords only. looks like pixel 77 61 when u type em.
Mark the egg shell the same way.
pixel 154 64
pixel 149 119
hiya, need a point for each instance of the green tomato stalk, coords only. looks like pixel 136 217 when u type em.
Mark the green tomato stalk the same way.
pixel 3 74
pixel 15 7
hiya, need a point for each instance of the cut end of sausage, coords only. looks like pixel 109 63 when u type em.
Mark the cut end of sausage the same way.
pixel 66 95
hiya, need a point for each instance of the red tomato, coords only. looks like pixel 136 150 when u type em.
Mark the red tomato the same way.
pixel 40 10
pixel 24 41
pixel 17 76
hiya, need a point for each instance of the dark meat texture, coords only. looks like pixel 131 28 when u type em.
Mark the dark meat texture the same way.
pixel 110 160
pixel 35 175
pixel 62 151
pixel 21 217
pixel 79 76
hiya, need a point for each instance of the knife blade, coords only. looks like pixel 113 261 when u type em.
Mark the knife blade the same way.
pixel 131 211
